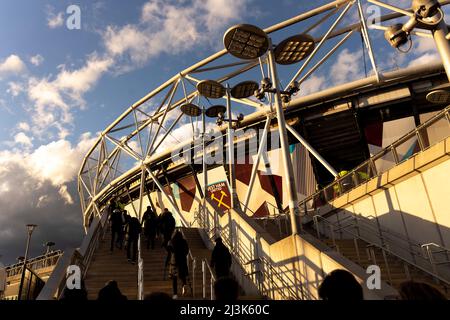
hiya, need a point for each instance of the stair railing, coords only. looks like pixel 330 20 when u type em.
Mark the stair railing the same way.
pixel 206 269
pixel 429 253
pixel 192 265
pixel 368 169
pixel 384 249
pixel 266 270
pixel 140 270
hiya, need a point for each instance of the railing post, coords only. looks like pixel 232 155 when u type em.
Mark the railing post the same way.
pixel 355 241
pixel 204 279
pixel 316 225
pixel 395 154
pixel 194 265
pixel 387 265
pixel 333 238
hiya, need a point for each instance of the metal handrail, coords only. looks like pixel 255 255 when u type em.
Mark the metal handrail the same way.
pixel 429 254
pixel 140 271
pixel 207 268
pixel 44 261
pixel 192 261
pixel 270 274
pixel 384 249
pixel 370 163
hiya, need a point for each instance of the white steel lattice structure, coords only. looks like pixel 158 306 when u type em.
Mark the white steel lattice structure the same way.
pixel 137 146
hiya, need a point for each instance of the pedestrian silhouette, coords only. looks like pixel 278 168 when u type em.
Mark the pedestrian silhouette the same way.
pixel 168 226
pixel 149 221
pixel 134 229
pixel 177 251
pixel 116 229
pixel 111 292
pixel 226 289
pixel 340 285
pixel 221 259
pixel 411 290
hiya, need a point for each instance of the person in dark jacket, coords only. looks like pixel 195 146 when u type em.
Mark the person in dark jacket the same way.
pixel 168 226
pixel 134 230
pixel 116 228
pixel 221 259
pixel 178 250
pixel 149 220
pixel 111 292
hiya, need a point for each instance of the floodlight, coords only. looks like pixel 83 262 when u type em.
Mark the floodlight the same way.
pixel 245 41
pixel 244 89
pixel 191 110
pixel 425 8
pixel 31 227
pixel 215 111
pixel 440 94
pixel 396 36
pixel 294 49
pixel 211 89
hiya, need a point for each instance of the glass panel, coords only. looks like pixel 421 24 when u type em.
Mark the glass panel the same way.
pixel 385 162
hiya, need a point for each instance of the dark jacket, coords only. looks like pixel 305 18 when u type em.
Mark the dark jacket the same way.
pixel 150 222
pixel 116 220
pixel 178 250
pixel 221 259
pixel 134 228
pixel 168 223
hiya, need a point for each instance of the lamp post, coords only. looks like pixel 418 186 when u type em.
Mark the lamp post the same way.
pixel 30 228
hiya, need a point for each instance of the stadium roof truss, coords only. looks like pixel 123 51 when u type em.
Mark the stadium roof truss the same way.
pixel 145 133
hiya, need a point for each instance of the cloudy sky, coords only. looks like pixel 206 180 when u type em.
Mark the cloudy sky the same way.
pixel 60 87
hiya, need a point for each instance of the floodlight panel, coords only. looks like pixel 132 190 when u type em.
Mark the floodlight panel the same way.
pixel 191 110
pixel 439 96
pixel 246 42
pixel 294 49
pixel 214 111
pixel 211 89
pixel 244 89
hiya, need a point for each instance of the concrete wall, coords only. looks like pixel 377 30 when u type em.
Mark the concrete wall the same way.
pixel 411 201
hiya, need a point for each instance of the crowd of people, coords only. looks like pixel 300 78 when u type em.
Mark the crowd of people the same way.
pixel 125 229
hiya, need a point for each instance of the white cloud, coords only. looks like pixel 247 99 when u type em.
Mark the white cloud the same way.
pixel 23 126
pixel 12 65
pixel 23 140
pixel 57 162
pixel 313 84
pixel 55 20
pixel 37 60
pixel 347 67
pixel 427 58
pixel 170 27
pixel 15 88
pixel 54 100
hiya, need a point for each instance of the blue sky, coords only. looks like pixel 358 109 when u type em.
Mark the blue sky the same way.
pixel 60 87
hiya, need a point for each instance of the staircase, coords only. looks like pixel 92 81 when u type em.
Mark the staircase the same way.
pixel 107 266
pixel 393 270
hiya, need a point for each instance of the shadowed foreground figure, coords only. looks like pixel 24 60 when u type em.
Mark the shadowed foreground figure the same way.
pixel 226 289
pixel 75 294
pixel 177 251
pixel 111 292
pixel 221 259
pixel 158 297
pixel 411 290
pixel 340 285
